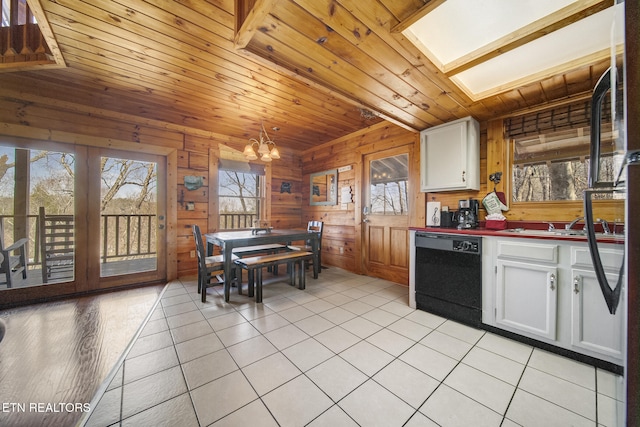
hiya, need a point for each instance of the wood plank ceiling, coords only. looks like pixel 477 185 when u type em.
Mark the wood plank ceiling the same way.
pixel 309 67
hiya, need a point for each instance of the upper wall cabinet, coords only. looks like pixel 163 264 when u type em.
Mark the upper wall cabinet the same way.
pixel 450 156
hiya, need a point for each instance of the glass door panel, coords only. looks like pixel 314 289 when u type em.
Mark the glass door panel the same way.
pixel 37 202
pixel 128 216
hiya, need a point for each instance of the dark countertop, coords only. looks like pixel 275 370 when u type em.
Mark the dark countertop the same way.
pixel 533 230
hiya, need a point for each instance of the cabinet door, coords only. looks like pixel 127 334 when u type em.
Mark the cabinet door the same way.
pixel 443 155
pixel 593 327
pixel 526 298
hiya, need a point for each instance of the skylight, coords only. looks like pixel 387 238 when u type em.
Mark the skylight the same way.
pixel 491 46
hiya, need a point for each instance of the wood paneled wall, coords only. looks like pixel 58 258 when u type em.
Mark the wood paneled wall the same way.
pixel 341 221
pixel 197 154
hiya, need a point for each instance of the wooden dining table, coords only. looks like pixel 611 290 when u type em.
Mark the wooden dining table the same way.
pixel 228 240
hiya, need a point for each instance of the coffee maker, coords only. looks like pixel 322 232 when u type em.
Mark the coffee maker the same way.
pixel 467 214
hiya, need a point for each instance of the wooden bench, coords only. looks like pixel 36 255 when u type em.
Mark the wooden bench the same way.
pixel 249 251
pixel 254 265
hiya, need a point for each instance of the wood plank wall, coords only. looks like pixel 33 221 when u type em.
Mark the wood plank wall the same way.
pixel 341 223
pixel 197 154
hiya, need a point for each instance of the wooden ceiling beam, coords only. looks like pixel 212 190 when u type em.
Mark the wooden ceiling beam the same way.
pixel 564 17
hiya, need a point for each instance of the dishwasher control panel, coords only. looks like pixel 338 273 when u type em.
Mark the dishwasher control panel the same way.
pixel 449 242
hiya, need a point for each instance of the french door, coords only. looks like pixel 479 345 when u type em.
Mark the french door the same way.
pixel 126 217
pixel 112 207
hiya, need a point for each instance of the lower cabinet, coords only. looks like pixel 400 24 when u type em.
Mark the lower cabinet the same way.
pixel 526 298
pixel 548 291
pixel 593 328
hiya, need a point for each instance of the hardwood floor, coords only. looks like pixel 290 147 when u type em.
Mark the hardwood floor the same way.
pixel 56 354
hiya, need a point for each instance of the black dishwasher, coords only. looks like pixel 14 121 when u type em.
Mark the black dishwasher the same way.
pixel 449 276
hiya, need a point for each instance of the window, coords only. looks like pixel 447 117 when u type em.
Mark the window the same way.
pixel 388 185
pixel 550 153
pixel 240 194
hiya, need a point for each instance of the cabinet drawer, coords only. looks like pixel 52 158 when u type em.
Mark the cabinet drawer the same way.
pixel 611 258
pixel 530 252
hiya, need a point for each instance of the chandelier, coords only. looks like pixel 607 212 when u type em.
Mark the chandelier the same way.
pixel 264 148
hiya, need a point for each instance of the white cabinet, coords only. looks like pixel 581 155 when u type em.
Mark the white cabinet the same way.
pixel 547 290
pixel 450 156
pixel 526 288
pixel 593 328
pixel 526 298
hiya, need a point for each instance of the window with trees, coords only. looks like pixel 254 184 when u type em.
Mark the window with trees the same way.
pixel 388 185
pixel 550 153
pixel 240 194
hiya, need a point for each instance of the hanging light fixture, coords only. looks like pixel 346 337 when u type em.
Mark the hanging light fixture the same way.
pixel 264 148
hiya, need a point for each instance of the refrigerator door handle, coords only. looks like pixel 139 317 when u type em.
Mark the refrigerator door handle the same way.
pixel 599 93
pixel 611 296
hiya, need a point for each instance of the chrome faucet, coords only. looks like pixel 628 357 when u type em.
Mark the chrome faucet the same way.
pixel 572 223
pixel 605 226
pixel 551 226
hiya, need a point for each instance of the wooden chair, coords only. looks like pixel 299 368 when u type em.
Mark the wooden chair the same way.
pixel 210 268
pixel 316 227
pixel 57 246
pixel 14 258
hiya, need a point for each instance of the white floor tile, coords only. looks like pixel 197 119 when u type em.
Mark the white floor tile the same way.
pixel 207 368
pixel 198 347
pixel 255 414
pixel 450 408
pixel 610 411
pixel 337 339
pixel 406 382
pixel 286 336
pixel 373 405
pixel 529 410
pixel 297 402
pixel 391 342
pixel 307 354
pixel 333 417
pixel 236 334
pixel 461 332
pixel 269 323
pixel 270 372
pixel 561 392
pixel 336 377
pixel 314 325
pixel 251 350
pixel 367 357
pixel 495 365
pixel 446 344
pixel 409 329
pixel 429 361
pixel 337 315
pixel 570 370
pixel 221 397
pixel 380 317
pixel 361 327
pixel 352 338
pixel 482 388
pixel 505 347
pixel 610 384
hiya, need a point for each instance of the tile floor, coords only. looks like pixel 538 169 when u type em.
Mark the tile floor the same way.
pixel 346 351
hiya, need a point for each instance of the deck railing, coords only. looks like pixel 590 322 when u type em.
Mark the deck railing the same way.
pixel 122 237
pixel 233 221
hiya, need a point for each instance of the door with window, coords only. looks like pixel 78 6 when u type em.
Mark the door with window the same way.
pixel 385 214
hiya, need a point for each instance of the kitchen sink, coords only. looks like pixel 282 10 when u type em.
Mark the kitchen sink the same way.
pixel 550 233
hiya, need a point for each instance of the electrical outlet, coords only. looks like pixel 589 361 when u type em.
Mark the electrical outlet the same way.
pixel 341 249
pixel 192 254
